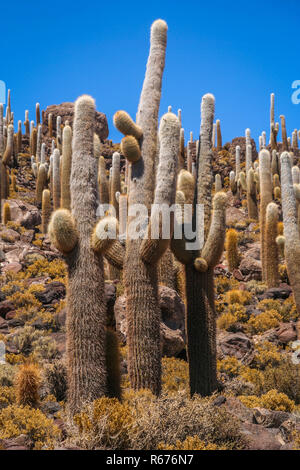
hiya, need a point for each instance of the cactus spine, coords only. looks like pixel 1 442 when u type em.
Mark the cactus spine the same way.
pixel 86 332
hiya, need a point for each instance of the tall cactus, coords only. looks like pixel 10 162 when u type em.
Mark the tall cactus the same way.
pixel 56 179
pixel 46 210
pixel 103 182
pixel 199 266
pixel 86 320
pixel 291 229
pixel 272 275
pixel 140 265
pixel 266 196
pixel 219 135
pixel 115 182
pixel 284 133
pixel 251 196
pixel 66 168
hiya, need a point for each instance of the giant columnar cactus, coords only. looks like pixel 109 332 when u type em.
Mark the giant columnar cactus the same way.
pixel 275 163
pixel 291 229
pixel 218 183
pixel 7 156
pixel 272 110
pixel 115 182
pixel 46 210
pixel 189 158
pixel 214 135
pixel 37 114
pixel 39 144
pixel 19 137
pixel 56 179
pixel 66 168
pixel 140 264
pixel 231 247
pixel 295 139
pixel 41 183
pixel 266 197
pixel 27 123
pixel 181 155
pixel 219 135
pixel 296 174
pixel 199 266
pixel 272 275
pixel 58 133
pixel 71 233
pixel 33 141
pixel 248 159
pixel 103 182
pixel 285 144
pixel 251 196
pixel 50 125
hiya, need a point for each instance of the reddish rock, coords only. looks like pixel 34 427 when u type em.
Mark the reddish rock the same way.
pixel 53 291
pixel 5 307
pixel 66 112
pixel 238 345
pixel 14 267
pixel 25 214
pixel 3 324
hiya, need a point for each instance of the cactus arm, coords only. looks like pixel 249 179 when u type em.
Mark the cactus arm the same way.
pixel 62 231
pixel 115 254
pixel 214 245
pixel 126 125
pixel 104 234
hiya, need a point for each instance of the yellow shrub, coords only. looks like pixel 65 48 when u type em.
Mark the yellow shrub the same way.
pixel 55 269
pixel 107 420
pixel 175 374
pixel 190 443
pixel 272 400
pixel 263 322
pixel 7 396
pixel 238 297
pixel 230 366
pixel 269 304
pixel 266 354
pixel 254 376
pixel 226 320
pixel 223 284
pixel 239 311
pixel 16 420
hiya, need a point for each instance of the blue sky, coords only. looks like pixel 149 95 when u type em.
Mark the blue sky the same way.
pixel 240 51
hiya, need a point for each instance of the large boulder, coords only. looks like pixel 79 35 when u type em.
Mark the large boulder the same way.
pixel 237 345
pixel 66 111
pixel 24 213
pixel 172 321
